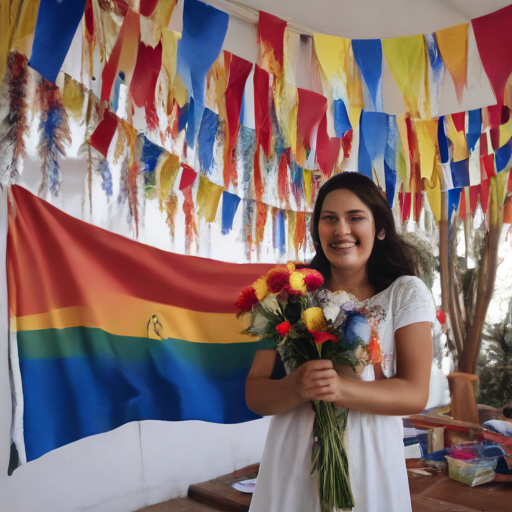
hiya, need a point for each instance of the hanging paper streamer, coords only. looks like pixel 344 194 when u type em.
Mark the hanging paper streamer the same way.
pixel 258 181
pixel 405 205
pixel 406 58
pixel 245 149
pixel 54 133
pixel 460 173
pixel 271 37
pixel 442 141
pixel 368 55
pixel 458 139
pixel 230 204
pixel 390 160
pixel 145 77
pixel 206 139
pixel 453 45
pixel 494 40
pixel 279 230
pixel 188 176
pixel 106 177
pixel 283 187
pixel 123 56
pixel 311 109
pixel 375 127
pixel 297 182
pixel 435 73
pixel 247 227
pixel 300 231
pixel 73 97
pixel 148 161
pixel 192 120
pixel 327 148
pixel 15 123
pixel 261 108
pixel 147 7
pixel 261 220
pixel 341 121
pixel 183 116
pixel 190 220
pixel 239 71
pixel 502 157
pixel 57 22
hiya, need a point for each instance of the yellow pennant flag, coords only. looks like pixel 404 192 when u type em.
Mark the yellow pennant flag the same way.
pixel 208 197
pixel 426 131
pixel 460 146
pixel 170 40
pixel 505 132
pixel 166 172
pixel 307 176
pixel 453 45
pixel 407 60
pixel 332 54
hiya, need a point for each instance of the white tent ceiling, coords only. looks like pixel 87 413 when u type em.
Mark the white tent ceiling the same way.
pixel 366 19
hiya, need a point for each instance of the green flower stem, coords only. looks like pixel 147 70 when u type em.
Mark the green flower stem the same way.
pixel 329 458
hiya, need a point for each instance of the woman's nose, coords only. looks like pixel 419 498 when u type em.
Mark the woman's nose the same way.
pixel 342 228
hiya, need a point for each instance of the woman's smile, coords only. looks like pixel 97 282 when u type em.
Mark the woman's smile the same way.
pixel 346 230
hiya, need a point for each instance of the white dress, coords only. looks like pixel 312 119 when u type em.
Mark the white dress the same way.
pixel 374 443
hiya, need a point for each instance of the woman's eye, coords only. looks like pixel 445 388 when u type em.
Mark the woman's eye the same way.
pixel 356 218
pixel 328 218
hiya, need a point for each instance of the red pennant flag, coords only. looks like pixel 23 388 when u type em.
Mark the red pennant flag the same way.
pixel 145 77
pixel 462 204
pixel 102 136
pixel 483 145
pixel 271 35
pixel 494 41
pixel 487 162
pixel 418 205
pixel 262 100
pixel 474 193
pixel 484 195
pixel 405 205
pixel 346 143
pixel 311 109
pixel 188 177
pixel 327 148
pixel 459 121
pixel 147 7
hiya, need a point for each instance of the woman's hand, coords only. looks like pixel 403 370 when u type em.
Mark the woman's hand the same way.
pixel 318 380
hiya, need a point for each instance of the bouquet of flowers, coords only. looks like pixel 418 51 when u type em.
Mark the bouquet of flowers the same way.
pixel 289 306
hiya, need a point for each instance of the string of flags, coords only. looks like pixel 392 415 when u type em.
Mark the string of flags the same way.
pixel 225 132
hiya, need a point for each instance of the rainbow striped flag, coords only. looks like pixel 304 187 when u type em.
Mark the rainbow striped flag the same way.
pixel 108 330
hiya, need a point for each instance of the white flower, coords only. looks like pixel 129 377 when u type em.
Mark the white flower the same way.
pixel 343 297
pixel 270 302
pixel 259 322
pixel 331 311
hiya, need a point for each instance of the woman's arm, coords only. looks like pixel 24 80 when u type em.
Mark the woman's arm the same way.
pixel 267 397
pixel 405 393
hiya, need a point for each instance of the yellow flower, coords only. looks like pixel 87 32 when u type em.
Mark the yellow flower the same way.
pixel 290 266
pixel 314 319
pixel 261 288
pixel 297 282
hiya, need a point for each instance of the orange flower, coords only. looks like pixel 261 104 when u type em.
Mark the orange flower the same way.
pixel 375 351
pixel 321 337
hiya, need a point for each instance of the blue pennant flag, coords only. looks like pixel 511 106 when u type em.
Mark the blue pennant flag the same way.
pixel 206 139
pixel 368 55
pixel 364 163
pixel 502 156
pixel 341 120
pixel 57 21
pixel 453 202
pixel 460 173
pixel 442 141
pixel 474 128
pixel 230 204
pixel 390 160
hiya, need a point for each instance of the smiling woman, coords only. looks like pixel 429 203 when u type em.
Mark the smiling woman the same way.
pixel 366 267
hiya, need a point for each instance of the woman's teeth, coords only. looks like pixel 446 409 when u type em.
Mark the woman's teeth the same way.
pixel 346 245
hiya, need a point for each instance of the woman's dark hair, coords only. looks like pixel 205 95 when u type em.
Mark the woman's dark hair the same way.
pixel 391 257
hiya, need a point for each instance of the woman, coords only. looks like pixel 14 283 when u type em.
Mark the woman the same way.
pixel 358 251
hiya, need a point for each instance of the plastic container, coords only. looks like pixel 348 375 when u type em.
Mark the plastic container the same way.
pixel 472 472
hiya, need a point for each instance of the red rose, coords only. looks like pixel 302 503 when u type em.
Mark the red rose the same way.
pixel 312 279
pixel 322 336
pixel 283 328
pixel 246 300
pixel 277 279
pixel 441 316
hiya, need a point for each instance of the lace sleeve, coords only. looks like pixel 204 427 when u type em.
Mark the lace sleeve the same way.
pixel 412 302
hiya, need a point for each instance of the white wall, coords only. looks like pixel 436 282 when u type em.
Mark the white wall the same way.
pixel 145 463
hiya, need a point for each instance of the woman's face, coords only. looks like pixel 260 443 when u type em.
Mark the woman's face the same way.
pixel 346 230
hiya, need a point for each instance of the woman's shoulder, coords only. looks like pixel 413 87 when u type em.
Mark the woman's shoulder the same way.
pixel 412 299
